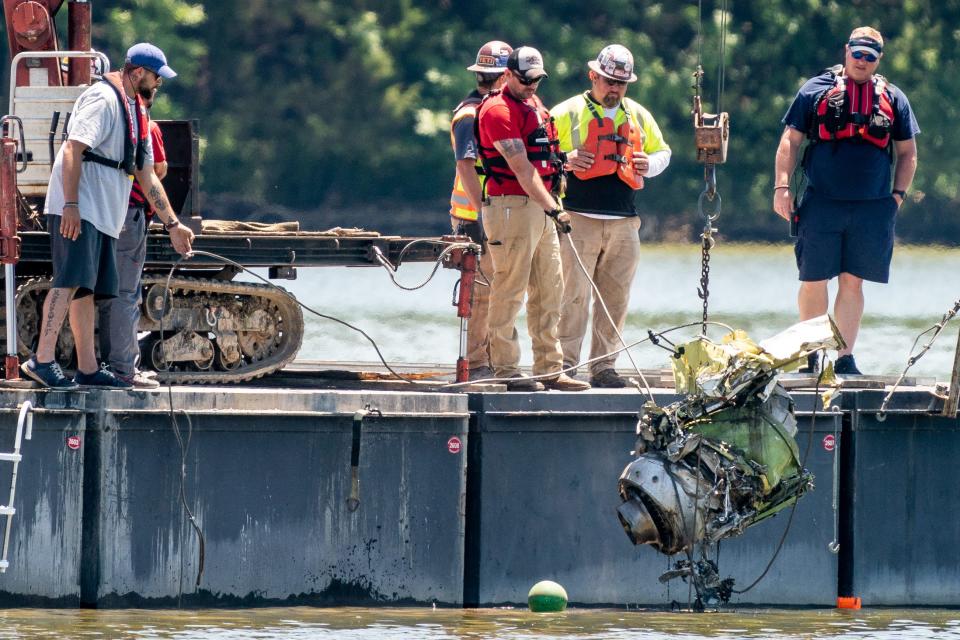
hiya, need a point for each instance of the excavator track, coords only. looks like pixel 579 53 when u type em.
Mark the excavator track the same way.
pixel 204 331
pixel 253 329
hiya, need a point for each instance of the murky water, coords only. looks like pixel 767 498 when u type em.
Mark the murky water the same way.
pixel 380 624
pixel 752 287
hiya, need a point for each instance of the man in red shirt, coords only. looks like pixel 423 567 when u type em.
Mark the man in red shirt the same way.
pixel 522 161
pixel 120 316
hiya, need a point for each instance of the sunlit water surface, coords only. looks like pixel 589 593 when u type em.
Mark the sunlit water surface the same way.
pixel 380 624
pixel 752 287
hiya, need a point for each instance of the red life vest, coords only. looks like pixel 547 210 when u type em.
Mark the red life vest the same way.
pixel 612 151
pixel 134 146
pixel 851 111
pixel 542 143
pixel 137 197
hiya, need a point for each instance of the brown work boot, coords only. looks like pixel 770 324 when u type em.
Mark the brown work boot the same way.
pixel 563 382
pixel 521 382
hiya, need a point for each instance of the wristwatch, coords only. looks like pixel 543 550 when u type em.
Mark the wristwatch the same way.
pixel 899 192
pixel 171 224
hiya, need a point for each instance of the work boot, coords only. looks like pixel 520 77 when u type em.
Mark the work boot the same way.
pixel 563 382
pixel 480 373
pixel 608 379
pixel 102 378
pixel 48 374
pixel 846 366
pixel 813 364
pixel 521 382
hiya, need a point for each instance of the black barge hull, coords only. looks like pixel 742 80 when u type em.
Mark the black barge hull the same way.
pixel 464 500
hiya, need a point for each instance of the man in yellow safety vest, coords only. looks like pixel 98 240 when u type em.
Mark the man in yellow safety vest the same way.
pixel 613 144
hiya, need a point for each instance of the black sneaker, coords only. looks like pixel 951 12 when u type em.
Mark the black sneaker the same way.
pixel 480 373
pixel 521 382
pixel 102 378
pixel 813 364
pixel 48 374
pixel 846 366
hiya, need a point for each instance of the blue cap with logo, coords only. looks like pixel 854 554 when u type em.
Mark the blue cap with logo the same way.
pixel 150 57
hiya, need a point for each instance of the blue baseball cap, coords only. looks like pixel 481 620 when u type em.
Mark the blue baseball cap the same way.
pixel 150 57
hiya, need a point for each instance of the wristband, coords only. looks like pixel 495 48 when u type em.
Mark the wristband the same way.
pixel 899 192
pixel 71 203
pixel 171 224
pixel 781 186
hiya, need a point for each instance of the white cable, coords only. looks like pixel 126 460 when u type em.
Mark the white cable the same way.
pixel 392 270
pixel 606 312
pixel 698 323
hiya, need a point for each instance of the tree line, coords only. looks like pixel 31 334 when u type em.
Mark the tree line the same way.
pixel 338 111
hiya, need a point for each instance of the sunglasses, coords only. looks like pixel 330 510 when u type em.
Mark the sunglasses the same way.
pixel 614 83
pixel 525 82
pixel 863 55
pixel 156 76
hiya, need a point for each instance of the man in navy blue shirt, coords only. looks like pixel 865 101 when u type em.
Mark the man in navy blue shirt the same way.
pixel 859 127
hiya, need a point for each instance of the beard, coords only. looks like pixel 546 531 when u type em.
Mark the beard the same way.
pixel 145 90
pixel 611 100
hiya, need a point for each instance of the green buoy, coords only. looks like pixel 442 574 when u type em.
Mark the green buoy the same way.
pixel 546 596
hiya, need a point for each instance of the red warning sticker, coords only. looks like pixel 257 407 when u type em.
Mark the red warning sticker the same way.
pixel 454 444
pixel 829 442
pixel 73 442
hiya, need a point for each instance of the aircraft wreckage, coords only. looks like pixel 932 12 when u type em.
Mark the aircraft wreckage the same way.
pixel 723 458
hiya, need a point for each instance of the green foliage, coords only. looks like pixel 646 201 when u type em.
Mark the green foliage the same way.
pixel 172 25
pixel 319 103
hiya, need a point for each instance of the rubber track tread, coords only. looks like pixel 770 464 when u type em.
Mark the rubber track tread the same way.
pixel 289 308
pixel 292 325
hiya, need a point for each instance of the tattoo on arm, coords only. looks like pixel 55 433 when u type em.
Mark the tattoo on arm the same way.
pixel 510 147
pixel 159 202
pixel 51 313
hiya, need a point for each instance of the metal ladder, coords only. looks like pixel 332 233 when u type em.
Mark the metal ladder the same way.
pixel 25 419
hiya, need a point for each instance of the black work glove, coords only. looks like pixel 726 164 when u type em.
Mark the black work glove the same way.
pixel 562 225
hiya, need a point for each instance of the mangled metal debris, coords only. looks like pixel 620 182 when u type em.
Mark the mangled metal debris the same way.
pixel 724 457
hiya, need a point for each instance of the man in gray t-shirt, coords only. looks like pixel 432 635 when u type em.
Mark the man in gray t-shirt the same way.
pixel 107 143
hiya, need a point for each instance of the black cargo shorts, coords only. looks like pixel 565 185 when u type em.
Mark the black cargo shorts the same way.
pixel 88 263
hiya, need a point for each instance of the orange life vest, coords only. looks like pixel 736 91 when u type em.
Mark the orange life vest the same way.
pixel 134 146
pixel 851 111
pixel 612 150
pixel 459 201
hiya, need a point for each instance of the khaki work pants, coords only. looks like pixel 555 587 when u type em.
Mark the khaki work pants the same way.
pixel 478 340
pixel 526 259
pixel 610 251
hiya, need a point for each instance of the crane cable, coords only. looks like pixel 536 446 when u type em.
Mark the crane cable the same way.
pixel 710 151
pixel 711 142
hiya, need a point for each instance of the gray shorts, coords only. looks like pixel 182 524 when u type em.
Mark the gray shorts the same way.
pixel 88 263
